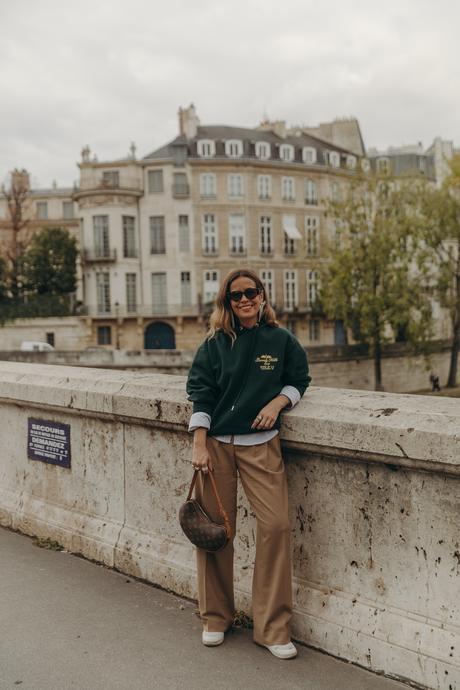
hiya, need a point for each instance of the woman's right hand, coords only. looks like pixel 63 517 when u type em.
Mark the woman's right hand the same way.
pixel 200 456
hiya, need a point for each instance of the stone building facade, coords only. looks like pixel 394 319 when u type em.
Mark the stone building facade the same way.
pixel 159 233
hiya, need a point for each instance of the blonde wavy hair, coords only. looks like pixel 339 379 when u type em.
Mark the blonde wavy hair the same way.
pixel 222 317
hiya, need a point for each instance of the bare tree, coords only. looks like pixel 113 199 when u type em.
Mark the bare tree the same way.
pixel 16 238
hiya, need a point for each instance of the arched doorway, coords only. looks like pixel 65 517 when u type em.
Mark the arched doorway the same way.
pixel 159 336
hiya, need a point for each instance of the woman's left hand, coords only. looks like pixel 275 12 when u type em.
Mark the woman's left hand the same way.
pixel 269 414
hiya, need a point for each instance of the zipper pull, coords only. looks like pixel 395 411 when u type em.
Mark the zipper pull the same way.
pixel 232 408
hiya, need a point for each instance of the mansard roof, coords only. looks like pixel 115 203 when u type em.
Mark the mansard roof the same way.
pixel 220 133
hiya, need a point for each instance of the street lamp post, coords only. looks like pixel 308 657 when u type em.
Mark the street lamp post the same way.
pixel 117 332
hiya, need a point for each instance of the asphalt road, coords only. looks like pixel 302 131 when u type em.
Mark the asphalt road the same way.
pixel 68 623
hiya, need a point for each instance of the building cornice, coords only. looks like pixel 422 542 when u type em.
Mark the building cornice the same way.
pixel 107 191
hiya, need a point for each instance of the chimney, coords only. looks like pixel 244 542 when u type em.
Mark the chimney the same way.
pixel 277 126
pixel 188 121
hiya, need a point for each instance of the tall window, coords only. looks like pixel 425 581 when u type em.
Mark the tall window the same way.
pixel 159 293
pixel 101 236
pixel 236 233
pixel 131 292
pixel 311 195
pixel 287 188
pixel 311 231
pixel 184 234
pixel 289 244
pixel 287 152
pixel 207 184
pixel 180 184
pixel 155 181
pixel 210 286
pixel 157 235
pixel 383 166
pixel 42 210
pixel 103 293
pixel 209 228
pixel 104 335
pixel 185 289
pixel 313 329
pixel 111 178
pixel 262 150
pixel 266 277
pixel 235 185
pixel 291 325
pixel 67 210
pixel 129 237
pixel 264 186
pixel 312 286
pixel 266 245
pixel 290 288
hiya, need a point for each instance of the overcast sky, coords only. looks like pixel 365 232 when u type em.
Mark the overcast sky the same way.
pixel 105 73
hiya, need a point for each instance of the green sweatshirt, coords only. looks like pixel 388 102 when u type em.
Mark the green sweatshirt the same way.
pixel 232 384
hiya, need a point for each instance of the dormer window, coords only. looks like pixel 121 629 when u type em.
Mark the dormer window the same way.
pixel 206 148
pixel 351 162
pixel 308 154
pixel 286 152
pixel 234 148
pixel 334 159
pixel 262 150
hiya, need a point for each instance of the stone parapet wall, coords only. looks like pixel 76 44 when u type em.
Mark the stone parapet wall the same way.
pixel 338 367
pixel 374 483
pixel 69 332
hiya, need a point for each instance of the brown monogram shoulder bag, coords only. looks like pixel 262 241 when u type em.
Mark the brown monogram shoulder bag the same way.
pixel 198 526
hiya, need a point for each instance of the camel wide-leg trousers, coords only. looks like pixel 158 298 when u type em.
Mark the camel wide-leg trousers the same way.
pixel 263 477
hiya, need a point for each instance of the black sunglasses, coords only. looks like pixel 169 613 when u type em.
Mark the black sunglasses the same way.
pixel 249 293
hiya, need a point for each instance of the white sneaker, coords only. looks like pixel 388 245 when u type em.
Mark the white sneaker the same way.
pixel 282 651
pixel 212 639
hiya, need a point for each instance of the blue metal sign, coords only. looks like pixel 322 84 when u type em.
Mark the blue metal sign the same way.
pixel 48 441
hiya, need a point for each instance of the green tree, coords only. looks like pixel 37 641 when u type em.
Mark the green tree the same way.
pixel 370 280
pixel 50 262
pixel 440 232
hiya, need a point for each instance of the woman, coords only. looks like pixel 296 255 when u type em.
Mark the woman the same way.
pixel 247 370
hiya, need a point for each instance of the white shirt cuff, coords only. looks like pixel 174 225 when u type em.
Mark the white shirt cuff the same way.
pixel 292 393
pixel 200 419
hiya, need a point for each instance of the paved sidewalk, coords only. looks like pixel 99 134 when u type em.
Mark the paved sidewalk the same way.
pixel 68 623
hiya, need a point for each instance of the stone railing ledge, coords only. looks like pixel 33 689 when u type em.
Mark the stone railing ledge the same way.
pixel 409 430
pixel 400 429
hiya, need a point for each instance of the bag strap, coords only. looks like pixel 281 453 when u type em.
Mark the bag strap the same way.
pixel 216 494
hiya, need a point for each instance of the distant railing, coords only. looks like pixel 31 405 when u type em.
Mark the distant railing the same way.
pixel 95 255
pixel 121 183
pixel 146 311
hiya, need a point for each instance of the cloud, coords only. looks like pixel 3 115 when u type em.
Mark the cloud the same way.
pixel 107 73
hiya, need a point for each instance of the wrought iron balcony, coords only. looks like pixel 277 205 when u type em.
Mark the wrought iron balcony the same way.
pixel 159 310
pixel 105 255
